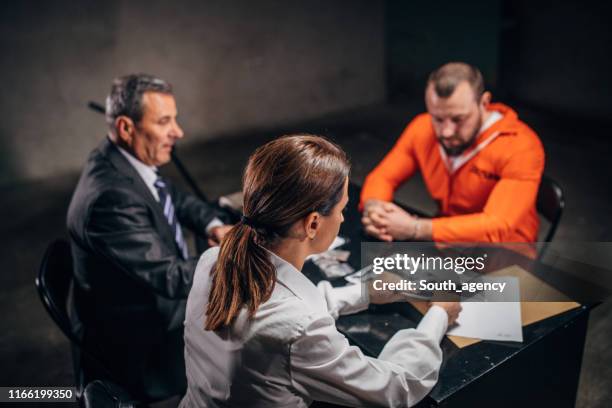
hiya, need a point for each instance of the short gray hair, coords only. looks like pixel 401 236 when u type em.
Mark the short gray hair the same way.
pixel 446 78
pixel 125 97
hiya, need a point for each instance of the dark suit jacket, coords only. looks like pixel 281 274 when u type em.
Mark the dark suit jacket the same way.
pixel 131 281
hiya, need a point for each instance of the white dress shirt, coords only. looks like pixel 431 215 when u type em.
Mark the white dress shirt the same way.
pixel 290 353
pixel 149 174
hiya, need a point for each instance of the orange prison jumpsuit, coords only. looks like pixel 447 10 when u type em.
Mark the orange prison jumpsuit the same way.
pixel 490 198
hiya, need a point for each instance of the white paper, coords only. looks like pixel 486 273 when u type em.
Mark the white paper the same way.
pixel 491 320
pixel 338 241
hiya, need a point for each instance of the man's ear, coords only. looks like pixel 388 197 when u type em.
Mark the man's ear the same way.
pixel 124 127
pixel 312 224
pixel 485 100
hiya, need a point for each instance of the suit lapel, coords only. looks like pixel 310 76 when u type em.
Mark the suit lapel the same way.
pixel 121 164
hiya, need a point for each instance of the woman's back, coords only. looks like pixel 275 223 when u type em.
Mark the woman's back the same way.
pixel 247 364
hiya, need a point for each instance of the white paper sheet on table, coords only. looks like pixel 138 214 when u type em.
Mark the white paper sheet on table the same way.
pixel 338 241
pixel 491 320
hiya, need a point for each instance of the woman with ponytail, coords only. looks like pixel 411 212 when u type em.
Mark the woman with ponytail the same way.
pixel 259 334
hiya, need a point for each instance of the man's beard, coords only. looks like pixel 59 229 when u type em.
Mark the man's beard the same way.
pixel 455 151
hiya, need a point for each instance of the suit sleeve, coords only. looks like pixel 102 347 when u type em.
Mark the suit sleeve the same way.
pixel 510 201
pixel 120 229
pixel 194 213
pixel 397 167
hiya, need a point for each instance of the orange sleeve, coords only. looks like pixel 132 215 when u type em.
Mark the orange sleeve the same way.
pixel 510 201
pixel 397 167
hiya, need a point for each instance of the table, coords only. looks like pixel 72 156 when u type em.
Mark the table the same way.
pixel 543 370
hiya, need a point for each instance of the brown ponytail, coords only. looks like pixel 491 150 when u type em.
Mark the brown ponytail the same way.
pixel 284 181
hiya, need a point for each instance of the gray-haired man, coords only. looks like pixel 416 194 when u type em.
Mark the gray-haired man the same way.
pixel 132 267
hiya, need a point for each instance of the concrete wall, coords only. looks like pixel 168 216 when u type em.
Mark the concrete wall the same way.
pixel 235 65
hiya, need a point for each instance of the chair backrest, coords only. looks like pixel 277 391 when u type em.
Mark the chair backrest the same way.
pixel 53 284
pixel 550 204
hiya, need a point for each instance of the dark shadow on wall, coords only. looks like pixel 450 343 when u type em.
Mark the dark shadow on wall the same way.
pixel 550 55
pixel 9 170
pixel 556 57
pixel 420 36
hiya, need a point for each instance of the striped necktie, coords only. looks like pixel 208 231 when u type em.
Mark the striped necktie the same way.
pixel 166 202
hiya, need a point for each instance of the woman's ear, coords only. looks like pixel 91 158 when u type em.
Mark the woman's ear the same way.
pixel 312 224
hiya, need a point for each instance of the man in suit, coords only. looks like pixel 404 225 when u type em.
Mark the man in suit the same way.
pixel 132 267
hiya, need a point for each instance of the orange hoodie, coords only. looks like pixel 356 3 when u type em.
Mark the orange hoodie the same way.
pixel 490 198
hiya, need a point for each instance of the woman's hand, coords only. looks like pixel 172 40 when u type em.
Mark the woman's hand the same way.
pixel 452 310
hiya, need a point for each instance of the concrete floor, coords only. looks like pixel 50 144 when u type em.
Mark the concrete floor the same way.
pixel 34 352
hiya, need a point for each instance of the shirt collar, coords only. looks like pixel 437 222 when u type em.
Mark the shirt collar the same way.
pixel 493 117
pixel 453 163
pixel 146 172
pixel 294 280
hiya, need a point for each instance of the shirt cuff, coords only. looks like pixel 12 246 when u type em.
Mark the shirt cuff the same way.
pixel 435 322
pixel 216 222
pixel 348 299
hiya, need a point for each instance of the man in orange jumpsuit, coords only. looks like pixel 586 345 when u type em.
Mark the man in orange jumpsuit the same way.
pixel 479 162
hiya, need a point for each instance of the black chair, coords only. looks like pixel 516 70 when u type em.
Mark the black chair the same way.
pixel 550 204
pixel 105 394
pixel 53 283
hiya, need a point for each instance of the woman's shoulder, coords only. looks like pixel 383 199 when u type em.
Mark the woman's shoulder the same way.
pixel 208 258
pixel 211 253
pixel 205 264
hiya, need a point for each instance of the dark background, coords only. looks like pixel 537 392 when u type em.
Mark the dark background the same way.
pixel 245 72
